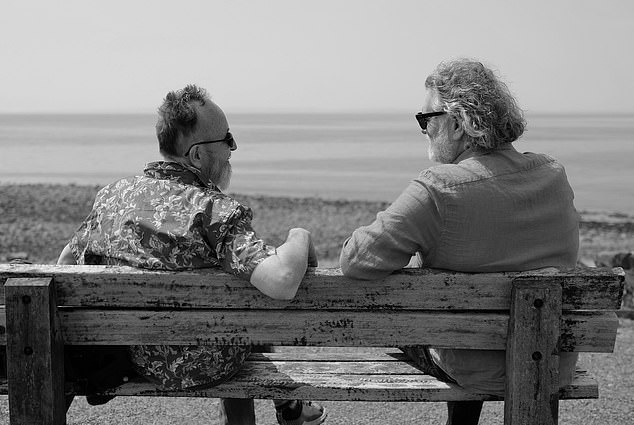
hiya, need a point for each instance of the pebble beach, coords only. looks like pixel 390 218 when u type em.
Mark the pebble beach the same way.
pixel 36 221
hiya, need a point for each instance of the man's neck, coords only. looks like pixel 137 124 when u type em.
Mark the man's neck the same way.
pixel 177 159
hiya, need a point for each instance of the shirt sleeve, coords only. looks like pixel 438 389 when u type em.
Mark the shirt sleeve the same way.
pixel 80 241
pixel 409 226
pixel 242 249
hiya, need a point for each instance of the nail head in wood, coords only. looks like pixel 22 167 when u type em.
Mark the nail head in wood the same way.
pixel 537 356
pixel 538 303
pixel 28 351
pixel 26 299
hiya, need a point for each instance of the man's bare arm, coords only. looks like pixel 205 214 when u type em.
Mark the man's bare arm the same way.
pixel 279 276
pixel 66 257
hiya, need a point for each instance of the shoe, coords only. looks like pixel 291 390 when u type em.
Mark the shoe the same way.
pixel 98 399
pixel 311 414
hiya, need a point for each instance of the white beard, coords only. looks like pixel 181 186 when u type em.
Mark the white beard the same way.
pixel 438 152
pixel 222 178
pixel 218 173
pixel 442 150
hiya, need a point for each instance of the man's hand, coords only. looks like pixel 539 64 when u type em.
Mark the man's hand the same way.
pixel 312 255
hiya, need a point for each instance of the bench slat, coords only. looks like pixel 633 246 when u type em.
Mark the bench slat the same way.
pixel 273 375
pixel 342 388
pixel 581 331
pixel 113 286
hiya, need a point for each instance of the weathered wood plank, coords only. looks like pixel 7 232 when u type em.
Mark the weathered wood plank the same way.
pixel 35 351
pixel 532 354
pixel 583 386
pixel 3 361
pixel 397 388
pixel 322 367
pixel 595 332
pixel 335 354
pixel 112 286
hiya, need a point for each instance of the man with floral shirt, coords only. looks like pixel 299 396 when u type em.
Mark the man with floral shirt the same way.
pixel 176 217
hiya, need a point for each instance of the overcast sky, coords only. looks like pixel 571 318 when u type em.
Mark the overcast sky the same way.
pixel 295 55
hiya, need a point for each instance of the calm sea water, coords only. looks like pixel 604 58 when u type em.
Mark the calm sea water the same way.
pixel 335 156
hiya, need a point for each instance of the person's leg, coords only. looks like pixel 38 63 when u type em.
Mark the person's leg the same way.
pixel 458 412
pixel 237 411
pixel 421 356
pixel 69 401
pixel 463 412
pixel 294 412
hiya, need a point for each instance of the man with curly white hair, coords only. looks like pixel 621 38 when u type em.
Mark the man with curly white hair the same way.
pixel 485 208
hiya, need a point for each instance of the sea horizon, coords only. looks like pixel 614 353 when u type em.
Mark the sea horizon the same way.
pixel 330 155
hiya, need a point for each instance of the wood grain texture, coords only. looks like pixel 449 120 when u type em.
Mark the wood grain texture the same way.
pixel 532 354
pixel 104 305
pixel 582 332
pixel 312 387
pixel 426 289
pixel 594 332
pixel 35 353
pixel 284 375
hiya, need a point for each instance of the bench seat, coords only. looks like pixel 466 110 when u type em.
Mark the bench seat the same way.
pixel 333 374
pixel 334 332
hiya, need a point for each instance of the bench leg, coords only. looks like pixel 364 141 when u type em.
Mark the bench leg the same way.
pixel 35 353
pixel 237 411
pixel 532 354
pixel 464 412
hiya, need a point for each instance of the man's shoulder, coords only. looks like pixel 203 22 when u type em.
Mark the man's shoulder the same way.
pixel 172 195
pixel 538 159
pixel 447 175
pixel 117 186
pixel 216 203
pixel 222 200
pixel 482 167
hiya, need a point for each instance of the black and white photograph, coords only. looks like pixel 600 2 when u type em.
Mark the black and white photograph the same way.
pixel 301 213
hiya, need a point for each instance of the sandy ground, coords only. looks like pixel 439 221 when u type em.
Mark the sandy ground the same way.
pixel 37 220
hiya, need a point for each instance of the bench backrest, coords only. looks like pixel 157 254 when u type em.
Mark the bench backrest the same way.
pixel 108 305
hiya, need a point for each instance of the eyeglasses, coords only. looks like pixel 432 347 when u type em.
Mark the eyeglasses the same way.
pixel 423 118
pixel 228 140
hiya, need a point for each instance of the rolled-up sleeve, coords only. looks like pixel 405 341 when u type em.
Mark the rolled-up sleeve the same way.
pixel 245 250
pixel 410 225
pixel 242 249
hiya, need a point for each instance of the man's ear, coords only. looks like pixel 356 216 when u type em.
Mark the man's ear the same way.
pixel 194 156
pixel 458 131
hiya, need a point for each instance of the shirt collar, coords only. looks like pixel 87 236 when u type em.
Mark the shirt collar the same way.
pixel 470 153
pixel 183 173
pixel 466 154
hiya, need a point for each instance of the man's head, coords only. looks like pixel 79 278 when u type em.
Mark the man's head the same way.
pixel 481 113
pixel 193 130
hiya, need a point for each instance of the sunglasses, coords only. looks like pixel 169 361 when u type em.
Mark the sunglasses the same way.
pixel 423 118
pixel 228 140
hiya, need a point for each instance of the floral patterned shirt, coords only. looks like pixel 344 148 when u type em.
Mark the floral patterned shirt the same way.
pixel 168 219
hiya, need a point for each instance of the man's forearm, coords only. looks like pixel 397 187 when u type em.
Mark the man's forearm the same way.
pixel 279 276
pixel 66 257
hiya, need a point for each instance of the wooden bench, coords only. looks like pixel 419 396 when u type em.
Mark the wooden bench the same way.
pixel 531 315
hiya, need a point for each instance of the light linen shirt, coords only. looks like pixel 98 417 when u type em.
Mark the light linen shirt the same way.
pixel 486 212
